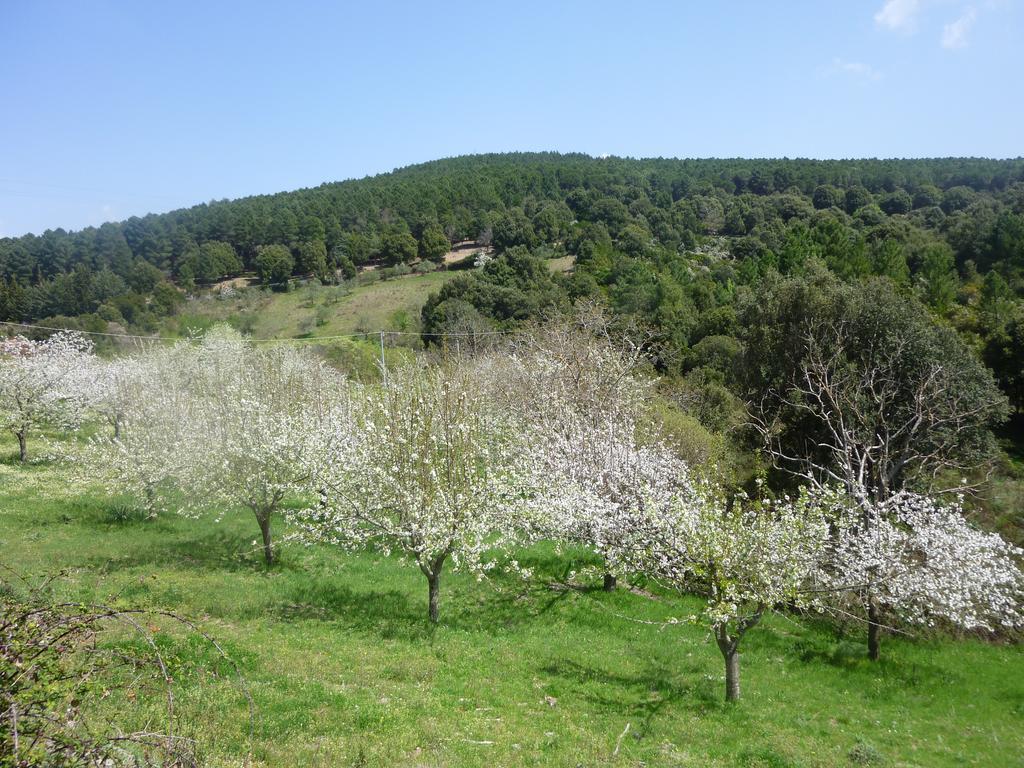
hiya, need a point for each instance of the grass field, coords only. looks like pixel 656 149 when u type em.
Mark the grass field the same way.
pixel 363 305
pixel 345 671
pixel 310 311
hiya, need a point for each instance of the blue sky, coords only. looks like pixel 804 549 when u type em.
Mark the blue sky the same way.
pixel 112 109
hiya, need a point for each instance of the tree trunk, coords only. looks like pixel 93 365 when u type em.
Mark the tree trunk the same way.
pixel 150 501
pixel 732 676
pixel 874 630
pixel 432 571
pixel 434 584
pixel 263 518
pixel 727 645
pixel 22 447
pixel 609 582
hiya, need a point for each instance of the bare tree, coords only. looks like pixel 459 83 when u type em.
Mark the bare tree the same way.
pixel 879 423
pixel 866 391
pixel 57 663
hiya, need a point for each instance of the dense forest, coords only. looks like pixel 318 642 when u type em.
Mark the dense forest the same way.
pixel 693 249
pixel 677 243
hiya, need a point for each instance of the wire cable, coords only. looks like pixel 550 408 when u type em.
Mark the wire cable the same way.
pixel 310 339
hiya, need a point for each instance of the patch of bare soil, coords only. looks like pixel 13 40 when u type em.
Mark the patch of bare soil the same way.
pixel 235 283
pixel 464 250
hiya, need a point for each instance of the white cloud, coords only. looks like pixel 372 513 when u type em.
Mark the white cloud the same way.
pixel 954 34
pixel 899 15
pixel 856 69
pixel 903 16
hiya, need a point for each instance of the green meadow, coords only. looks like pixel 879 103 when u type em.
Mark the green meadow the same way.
pixel 344 670
pixel 366 304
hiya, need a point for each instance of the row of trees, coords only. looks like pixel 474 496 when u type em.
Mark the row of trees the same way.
pixel 461 461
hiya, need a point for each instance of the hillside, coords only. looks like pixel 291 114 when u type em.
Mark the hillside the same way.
pixel 677 245
pixel 344 671
pixel 716 334
pixel 363 305
pixel 762 210
pixel 683 248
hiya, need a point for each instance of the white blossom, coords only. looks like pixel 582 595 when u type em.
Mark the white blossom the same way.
pixel 744 558
pixel 432 471
pixel 224 424
pixel 581 398
pixel 920 561
pixel 43 383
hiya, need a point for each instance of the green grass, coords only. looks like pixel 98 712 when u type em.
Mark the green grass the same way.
pixel 311 311
pixel 345 670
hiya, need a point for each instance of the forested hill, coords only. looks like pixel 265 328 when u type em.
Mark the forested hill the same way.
pixel 668 202
pixel 675 242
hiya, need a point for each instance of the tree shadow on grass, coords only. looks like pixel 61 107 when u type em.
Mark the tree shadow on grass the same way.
pixel 402 613
pixel 512 602
pixel 550 564
pixel 114 512
pixel 642 695
pixel 510 606
pixel 504 604
pixel 308 595
pixel 388 614
pixel 216 550
pixel 833 652
pixel 579 601
pixel 1013 700
pixel 813 640
pixel 37 460
pixel 884 679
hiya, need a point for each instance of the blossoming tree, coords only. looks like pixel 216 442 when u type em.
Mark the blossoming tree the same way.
pixel 913 559
pixel 224 424
pixel 577 390
pixel 117 385
pixel 433 471
pixel 43 383
pixel 267 427
pixel 743 558
pixel 148 456
pixel 592 474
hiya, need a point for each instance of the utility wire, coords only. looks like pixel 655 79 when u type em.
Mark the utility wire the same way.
pixel 311 339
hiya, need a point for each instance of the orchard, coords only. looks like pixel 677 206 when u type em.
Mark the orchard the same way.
pixel 462 461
